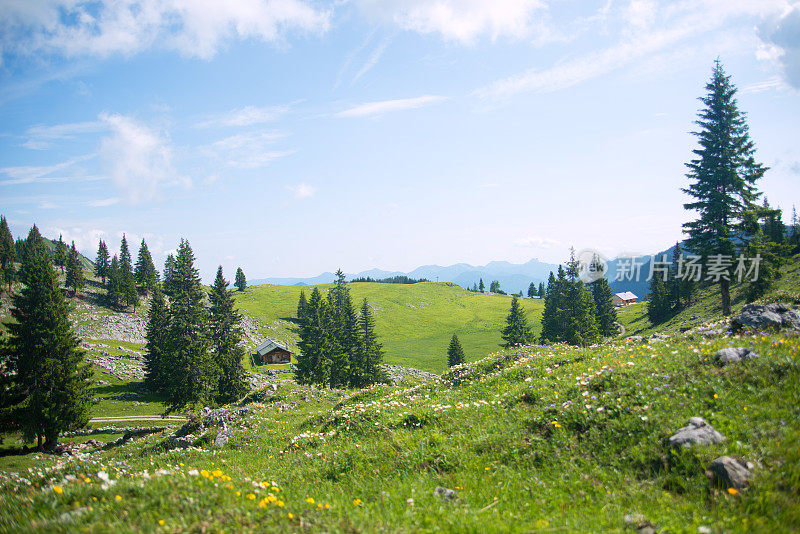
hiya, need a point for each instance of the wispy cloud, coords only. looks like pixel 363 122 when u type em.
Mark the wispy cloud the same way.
pixel 246 116
pixel 41 137
pixel 248 150
pixel 373 59
pixel 782 33
pixel 302 190
pixel 138 159
pixel 28 174
pixel 103 202
pixel 537 242
pixel 371 109
pixel 196 29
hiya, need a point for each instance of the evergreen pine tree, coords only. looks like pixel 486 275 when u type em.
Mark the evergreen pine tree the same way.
pixel 455 354
pixel 240 281
pixel 371 350
pixel 75 278
pixel 531 290
pixel 193 373
pixel 301 306
pixel 169 275
pixel 794 231
pixel 494 287
pixel 226 333
pixel 579 310
pixel 113 288
pixel 127 284
pixel 481 287
pixel 46 380
pixel 101 265
pixel 604 307
pixel 310 333
pixel 517 331
pixel 60 254
pixel 723 177
pixel 658 303
pixel 550 326
pixel 8 254
pixel 541 290
pixel 145 273
pixel 157 346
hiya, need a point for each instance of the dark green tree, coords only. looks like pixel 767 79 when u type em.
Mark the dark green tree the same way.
pixel 371 351
pixel 658 302
pixel 604 307
pixel 101 263
pixel 517 331
pixel 145 273
pixel 240 281
pixel 541 290
pixel 8 254
pixel 75 278
pixel 169 275
pixel 226 333
pixel 310 333
pixel 302 304
pixel 794 232
pixel 455 354
pixel 45 380
pixel 481 287
pixel 551 328
pixel 157 346
pixel 193 373
pixel 127 283
pixel 494 287
pixel 723 177
pixel 60 254
pixel 114 287
pixel 531 290
pixel 771 250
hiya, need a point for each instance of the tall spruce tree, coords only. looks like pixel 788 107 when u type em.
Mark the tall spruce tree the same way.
pixel 658 302
pixel 193 373
pixel 580 316
pixel 531 290
pixel 240 281
pixel 169 275
pixel 145 273
pixel 517 330
pixel 604 307
pixel 127 284
pixel 61 254
pixel 156 356
pixel 455 354
pixel 302 303
pixel 371 351
pixel 46 379
pixel 723 177
pixel 481 287
pixel 8 254
pixel 113 288
pixel 226 333
pixel 101 265
pixel 310 333
pixel 541 290
pixel 551 329
pixel 75 278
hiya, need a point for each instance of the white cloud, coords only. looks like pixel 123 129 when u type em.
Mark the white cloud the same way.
pixel 103 202
pixel 537 242
pixel 196 28
pixel 47 205
pixel 458 20
pixel 247 151
pixel 371 109
pixel 246 116
pixel 781 34
pixel 302 190
pixel 27 174
pixel 86 240
pixel 138 159
pixel 41 137
pixel 373 59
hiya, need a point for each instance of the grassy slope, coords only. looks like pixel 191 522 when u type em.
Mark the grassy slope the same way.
pixel 548 439
pixel 708 304
pixel 414 321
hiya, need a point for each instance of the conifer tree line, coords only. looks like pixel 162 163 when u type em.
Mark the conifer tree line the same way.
pixel 339 347
pixel 574 313
pixel 44 386
pixel 192 353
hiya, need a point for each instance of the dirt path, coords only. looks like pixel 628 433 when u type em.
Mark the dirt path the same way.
pixel 176 418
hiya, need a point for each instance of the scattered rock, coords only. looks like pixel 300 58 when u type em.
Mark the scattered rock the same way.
pixel 697 432
pixel 445 493
pixel 222 439
pixel 727 472
pixel 395 373
pixel 640 523
pixel 636 339
pixel 734 354
pixel 769 316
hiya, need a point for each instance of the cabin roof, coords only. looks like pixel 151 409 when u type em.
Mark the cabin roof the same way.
pixel 269 345
pixel 626 295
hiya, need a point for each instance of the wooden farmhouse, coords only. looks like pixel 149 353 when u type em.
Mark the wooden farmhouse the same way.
pixel 623 299
pixel 272 352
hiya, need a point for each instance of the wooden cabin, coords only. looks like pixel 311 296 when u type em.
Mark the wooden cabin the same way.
pixel 623 299
pixel 272 352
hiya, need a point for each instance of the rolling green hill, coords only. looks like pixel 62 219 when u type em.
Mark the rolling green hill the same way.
pixel 414 321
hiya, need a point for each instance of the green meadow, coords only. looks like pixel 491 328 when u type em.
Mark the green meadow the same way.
pixel 414 321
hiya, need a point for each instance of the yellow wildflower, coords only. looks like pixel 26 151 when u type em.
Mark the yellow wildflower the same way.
pixel 289 515
pixel 58 489
pixel 161 522
pixel 733 491
pixel 251 496
pixel 356 502
pixel 118 497
pixel 310 500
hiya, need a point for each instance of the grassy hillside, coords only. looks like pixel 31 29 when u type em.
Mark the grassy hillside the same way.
pixel 708 304
pixel 552 439
pixel 414 321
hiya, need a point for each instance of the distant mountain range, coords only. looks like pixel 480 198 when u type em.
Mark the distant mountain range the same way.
pixel 513 277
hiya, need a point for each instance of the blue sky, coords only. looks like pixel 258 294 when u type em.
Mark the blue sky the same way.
pixel 291 137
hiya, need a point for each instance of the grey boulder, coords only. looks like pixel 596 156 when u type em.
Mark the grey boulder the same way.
pixel 445 493
pixel 768 316
pixel 734 354
pixel 727 472
pixel 697 432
